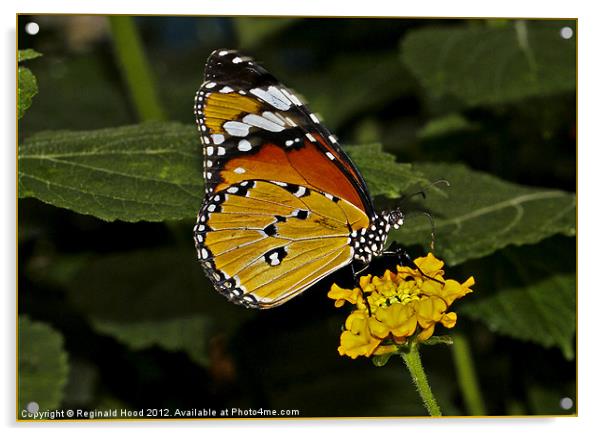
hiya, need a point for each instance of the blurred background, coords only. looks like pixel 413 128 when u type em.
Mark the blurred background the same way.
pixel 140 325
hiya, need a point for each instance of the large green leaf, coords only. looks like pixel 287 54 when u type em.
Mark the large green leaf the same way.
pixel 143 172
pixel 481 214
pixel 382 174
pixel 149 171
pixel 43 366
pixel 528 293
pixel 488 65
pixel 154 297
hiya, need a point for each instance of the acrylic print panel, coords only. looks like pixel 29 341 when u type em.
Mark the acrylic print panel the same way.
pixel 440 123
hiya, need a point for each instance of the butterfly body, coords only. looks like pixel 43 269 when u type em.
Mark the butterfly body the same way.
pixel 284 205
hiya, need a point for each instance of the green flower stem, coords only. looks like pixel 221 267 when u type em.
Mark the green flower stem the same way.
pixel 136 68
pixel 467 377
pixel 414 365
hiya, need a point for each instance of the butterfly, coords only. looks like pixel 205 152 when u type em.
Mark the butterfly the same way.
pixel 284 205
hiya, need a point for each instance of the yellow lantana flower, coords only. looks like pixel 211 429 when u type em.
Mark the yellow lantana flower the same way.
pixel 396 306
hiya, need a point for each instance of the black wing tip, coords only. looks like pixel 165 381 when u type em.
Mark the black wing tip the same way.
pixel 231 67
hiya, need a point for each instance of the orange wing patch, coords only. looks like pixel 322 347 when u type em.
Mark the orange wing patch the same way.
pixel 306 166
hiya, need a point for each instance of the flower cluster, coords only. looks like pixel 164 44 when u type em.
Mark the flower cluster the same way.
pixel 392 308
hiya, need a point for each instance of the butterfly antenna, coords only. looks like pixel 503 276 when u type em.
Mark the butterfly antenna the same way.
pixel 431 221
pixel 422 192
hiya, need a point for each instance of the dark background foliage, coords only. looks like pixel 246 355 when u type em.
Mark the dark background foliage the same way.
pixel 126 317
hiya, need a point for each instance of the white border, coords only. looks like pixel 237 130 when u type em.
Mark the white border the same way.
pixel 589 194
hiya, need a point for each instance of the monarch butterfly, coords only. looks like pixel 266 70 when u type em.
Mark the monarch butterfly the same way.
pixel 284 205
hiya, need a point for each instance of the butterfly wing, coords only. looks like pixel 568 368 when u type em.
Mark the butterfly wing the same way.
pixel 263 242
pixel 267 158
pixel 253 127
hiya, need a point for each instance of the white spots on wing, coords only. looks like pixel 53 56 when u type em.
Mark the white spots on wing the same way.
pixel 226 90
pixel 208 175
pixel 330 155
pixel 210 85
pixel 232 190
pixel 292 97
pixel 217 138
pixel 273 96
pixel 314 118
pixel 332 139
pixel 223 53
pixel 236 128
pixel 204 253
pixel 289 142
pixel 273 118
pixel 274 259
pixel 209 163
pixel 300 192
pixel 236 60
pixel 209 151
pixel 240 170
pixel 279 183
pixel 221 151
pixel 244 145
pixel 206 140
pixel 310 137
pixel 263 123
pixel 211 207
pixel 329 196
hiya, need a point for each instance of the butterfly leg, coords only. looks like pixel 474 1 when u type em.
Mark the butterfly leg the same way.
pixel 404 259
pixel 356 274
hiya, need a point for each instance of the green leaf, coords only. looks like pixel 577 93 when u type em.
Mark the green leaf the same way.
pixel 27 54
pixel 43 366
pixel 383 175
pixel 489 65
pixel 528 293
pixel 144 172
pixel 28 85
pixel 543 312
pixel 445 125
pixel 481 214
pixel 155 297
pixel 187 334
pixel 28 88
pixel 150 171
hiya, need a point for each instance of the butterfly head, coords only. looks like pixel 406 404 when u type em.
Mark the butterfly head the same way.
pixel 395 218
